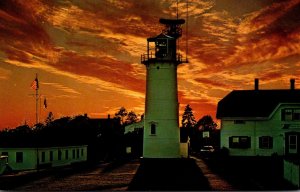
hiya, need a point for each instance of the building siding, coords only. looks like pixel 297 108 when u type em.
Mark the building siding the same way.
pixel 30 160
pixel 273 126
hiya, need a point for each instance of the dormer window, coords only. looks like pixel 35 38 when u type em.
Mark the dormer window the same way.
pixel 290 114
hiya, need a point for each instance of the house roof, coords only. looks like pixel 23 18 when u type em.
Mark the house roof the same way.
pixel 254 103
pixel 131 127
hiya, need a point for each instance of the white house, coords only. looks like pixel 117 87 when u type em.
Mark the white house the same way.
pixel 27 158
pixel 261 122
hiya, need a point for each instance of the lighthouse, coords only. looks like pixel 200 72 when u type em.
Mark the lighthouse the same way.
pixel 161 126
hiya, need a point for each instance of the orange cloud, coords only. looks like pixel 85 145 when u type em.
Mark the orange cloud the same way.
pixel 97 45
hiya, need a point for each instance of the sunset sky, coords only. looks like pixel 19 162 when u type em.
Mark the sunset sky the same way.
pixel 87 53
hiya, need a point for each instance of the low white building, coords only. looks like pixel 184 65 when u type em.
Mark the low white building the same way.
pixel 134 127
pixel 261 122
pixel 140 126
pixel 33 158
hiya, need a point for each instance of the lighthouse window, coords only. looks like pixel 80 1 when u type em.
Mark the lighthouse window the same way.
pixel 153 129
pixel 161 48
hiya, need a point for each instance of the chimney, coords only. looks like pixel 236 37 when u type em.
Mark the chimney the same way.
pixel 292 84
pixel 256 84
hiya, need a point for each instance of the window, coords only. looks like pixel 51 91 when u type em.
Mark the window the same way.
pixel 153 129
pixel 290 114
pixel 19 157
pixel 292 141
pixel 265 142
pixel 51 155
pixel 81 152
pixel 43 156
pixel 73 151
pixel 296 114
pixel 240 142
pixel 59 154
pixel 67 154
pixel 77 153
pixel 161 46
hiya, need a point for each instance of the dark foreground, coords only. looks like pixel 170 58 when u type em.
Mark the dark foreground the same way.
pixel 169 174
pixel 105 176
pixel 195 174
pixel 251 173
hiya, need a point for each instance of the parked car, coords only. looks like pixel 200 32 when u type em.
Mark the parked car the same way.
pixel 206 150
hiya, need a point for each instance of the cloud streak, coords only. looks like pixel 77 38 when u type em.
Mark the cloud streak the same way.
pixel 98 44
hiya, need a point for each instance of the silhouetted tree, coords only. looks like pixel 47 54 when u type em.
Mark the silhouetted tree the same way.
pixel 188 122
pixel 23 129
pixel 206 123
pixel 49 118
pixel 104 137
pixel 121 114
pixel 188 119
pixel 131 118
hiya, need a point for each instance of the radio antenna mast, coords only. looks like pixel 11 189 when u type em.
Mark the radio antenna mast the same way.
pixel 177 19
pixel 177 9
pixel 186 30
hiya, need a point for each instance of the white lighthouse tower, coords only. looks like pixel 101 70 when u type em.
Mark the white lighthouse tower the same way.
pixel 161 128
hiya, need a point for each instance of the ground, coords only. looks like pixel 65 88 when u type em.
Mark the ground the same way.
pixel 104 176
pixel 192 174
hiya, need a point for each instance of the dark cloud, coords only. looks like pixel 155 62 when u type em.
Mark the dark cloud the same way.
pixel 104 68
pixel 230 41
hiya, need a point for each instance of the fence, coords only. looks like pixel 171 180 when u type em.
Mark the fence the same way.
pixel 292 172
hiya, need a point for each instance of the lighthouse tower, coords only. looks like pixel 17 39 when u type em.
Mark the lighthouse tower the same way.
pixel 161 128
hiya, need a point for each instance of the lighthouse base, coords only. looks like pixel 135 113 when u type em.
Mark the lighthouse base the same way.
pixel 169 174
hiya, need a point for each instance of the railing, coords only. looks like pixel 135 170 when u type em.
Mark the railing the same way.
pixel 145 58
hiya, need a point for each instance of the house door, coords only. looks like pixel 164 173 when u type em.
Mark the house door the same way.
pixel 292 143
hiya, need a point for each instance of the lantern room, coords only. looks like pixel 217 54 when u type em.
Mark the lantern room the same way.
pixel 164 46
